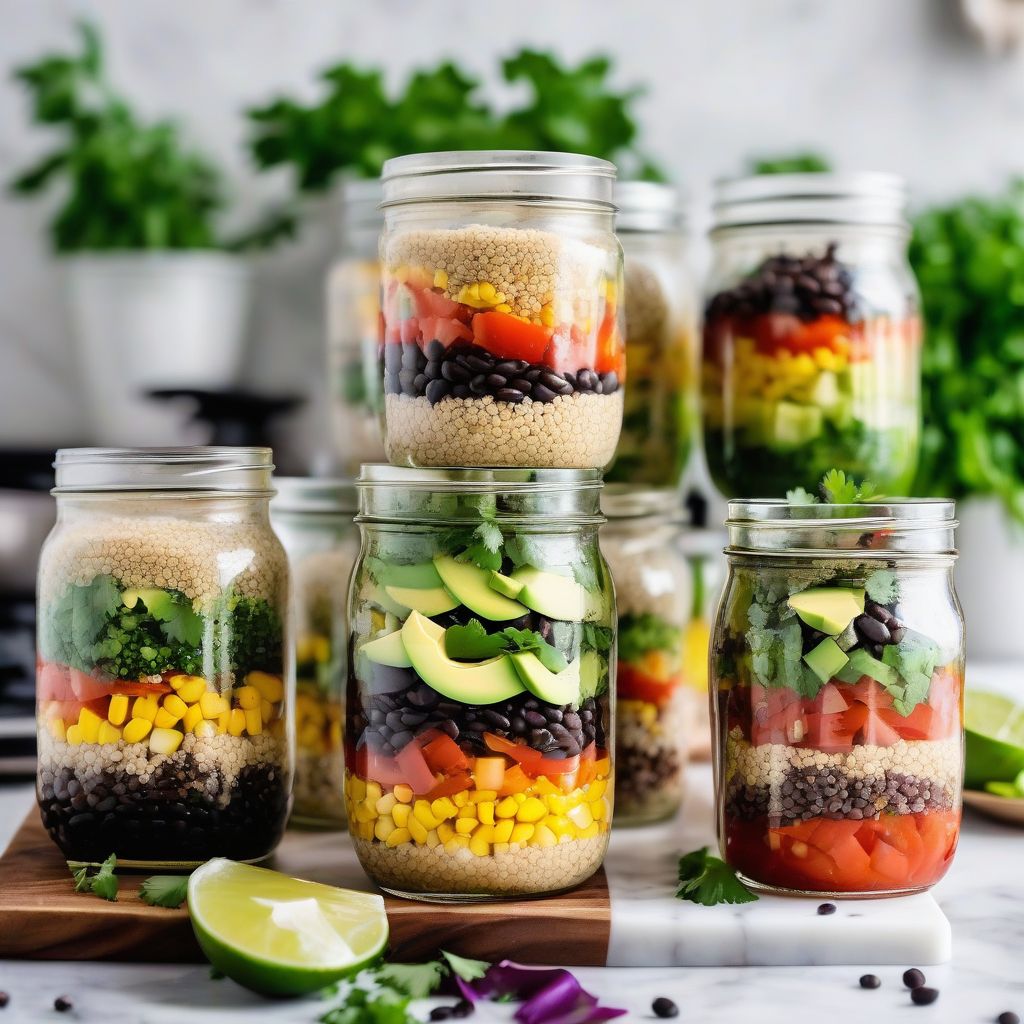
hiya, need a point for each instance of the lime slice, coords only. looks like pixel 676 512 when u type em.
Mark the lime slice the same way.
pixel 280 935
pixel 994 739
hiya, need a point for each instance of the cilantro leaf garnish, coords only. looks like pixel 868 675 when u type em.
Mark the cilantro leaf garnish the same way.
pixel 167 891
pixel 839 489
pixel 914 659
pixel 464 968
pixel 414 980
pixel 798 496
pixel 103 883
pixel 708 880
pixel 882 586
pixel 472 642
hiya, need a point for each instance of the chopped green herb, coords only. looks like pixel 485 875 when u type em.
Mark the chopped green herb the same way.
pixel 639 634
pixel 708 880
pixel 466 969
pixel 798 496
pixel 914 658
pixel 882 586
pixel 168 891
pixel 472 642
pixel 414 980
pixel 103 883
pixel 839 489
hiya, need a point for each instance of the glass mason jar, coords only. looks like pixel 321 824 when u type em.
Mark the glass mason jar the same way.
pixel 480 701
pixel 837 672
pixel 659 415
pixel 502 325
pixel 314 519
pixel 163 678
pixel 812 339
pixel 352 295
pixel 653 602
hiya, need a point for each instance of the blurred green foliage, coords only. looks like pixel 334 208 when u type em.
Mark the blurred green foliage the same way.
pixel 793 163
pixel 356 125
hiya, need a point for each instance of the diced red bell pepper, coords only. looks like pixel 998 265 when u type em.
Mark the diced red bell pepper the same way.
pixel 611 353
pixel 451 785
pixel 888 862
pixel 53 682
pixel 505 335
pixel 431 303
pixel 443 755
pixel 533 762
pixel 633 684
pixel 409 330
pixel 444 330
pixel 515 781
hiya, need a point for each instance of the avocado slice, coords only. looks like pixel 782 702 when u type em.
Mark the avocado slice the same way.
pixel 593 674
pixel 828 609
pixel 826 659
pixel 387 650
pixel 435 601
pixel 419 577
pixel 553 687
pixel 483 682
pixel 471 585
pixel 558 597
pixel 863 664
pixel 376 595
pixel 504 585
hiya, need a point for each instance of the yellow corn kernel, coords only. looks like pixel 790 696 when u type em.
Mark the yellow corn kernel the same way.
pixel 522 833
pixel 445 832
pixel 484 832
pixel 464 826
pixel 57 729
pixel 479 847
pixel 487 291
pixel 544 837
pixel 268 710
pixel 469 811
pixel 456 843
pixel 559 825
pixel 520 798
pixel 461 799
pixel 213 704
pixel 236 722
pixel 248 697
pixel 506 808
pixel 592 831
pixel 531 810
pixel 440 278
pixel 118 710
pixel 545 787
pixel 401 813
pixel 385 803
pixel 193 716
pixel 503 830
pixel 165 741
pixel 403 793
pixel 108 733
pixel 581 816
pixel 417 830
pixel 253 722
pixel 89 725
pixel 164 720
pixel 557 804
pixel 175 705
pixel 134 732
pixel 547 315
pixel 365 811
pixel 479 796
pixel 433 839
pixel 270 687
pixel 223 721
pixel 356 788
pixel 145 707
pixel 364 829
pixel 598 809
pixel 374 791
pixel 204 729
pixel 190 688
pixel 399 836
pixel 485 811
pixel 596 790
pixel 443 808
pixel 73 735
pixel 384 827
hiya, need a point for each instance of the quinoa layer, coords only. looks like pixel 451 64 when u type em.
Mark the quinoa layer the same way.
pixel 199 558
pixel 533 870
pixel 650 754
pixel 319 789
pixel 646 581
pixel 530 268
pixel 578 431
pixel 793 783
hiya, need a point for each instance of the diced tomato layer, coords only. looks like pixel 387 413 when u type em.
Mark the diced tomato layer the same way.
pixel 633 684
pixel 58 682
pixel 508 337
pixel 451 785
pixel 533 762
pixel 906 851
pixel 444 755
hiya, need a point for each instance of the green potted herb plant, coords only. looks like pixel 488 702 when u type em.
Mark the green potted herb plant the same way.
pixel 155 298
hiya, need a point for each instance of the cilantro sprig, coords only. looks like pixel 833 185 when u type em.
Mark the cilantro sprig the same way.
pixel 836 488
pixel 708 880
pixel 472 642
pixel 102 883
pixel 168 891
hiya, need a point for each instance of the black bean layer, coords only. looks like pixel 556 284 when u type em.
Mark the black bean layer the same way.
pixel 165 819
pixel 464 370
pixel 806 287
pixel 641 773
pixel 815 793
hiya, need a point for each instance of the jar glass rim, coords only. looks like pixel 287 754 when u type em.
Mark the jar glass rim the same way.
pixel 929 512
pixel 451 478
pixel 314 496
pixel 648 206
pixel 210 469
pixel 623 502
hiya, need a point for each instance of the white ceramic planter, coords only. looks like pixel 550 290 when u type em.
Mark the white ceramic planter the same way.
pixel 988 580
pixel 154 320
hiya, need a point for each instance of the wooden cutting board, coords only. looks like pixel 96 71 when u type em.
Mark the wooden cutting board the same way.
pixel 43 918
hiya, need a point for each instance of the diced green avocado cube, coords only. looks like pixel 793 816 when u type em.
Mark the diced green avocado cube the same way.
pixel 796 424
pixel 826 659
pixel 865 665
pixel 828 609
pixel 826 391
pixel 504 585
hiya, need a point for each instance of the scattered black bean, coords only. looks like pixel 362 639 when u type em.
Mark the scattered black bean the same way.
pixel 62 1004
pixel 513 395
pixel 913 978
pixel 454 372
pixel 542 394
pixel 870 981
pixel 436 390
pixel 441 1013
pixel 463 1008
pixel 664 1007
pixel 923 996
pixel 871 629
pixel 1007 1017
pixel 824 909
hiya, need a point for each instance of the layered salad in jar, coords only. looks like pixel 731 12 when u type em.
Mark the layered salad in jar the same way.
pixel 162 690
pixel 502 347
pixel 801 374
pixel 839 691
pixel 478 728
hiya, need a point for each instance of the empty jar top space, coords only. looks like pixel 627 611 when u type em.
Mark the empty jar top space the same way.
pixel 520 175
pixel 647 206
pixel 202 470
pixel 873 529
pixel 314 496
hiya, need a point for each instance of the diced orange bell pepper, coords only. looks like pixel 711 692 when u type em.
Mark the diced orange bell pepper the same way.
pixel 489 772
pixel 451 785
pixel 515 781
pixel 505 335
pixel 443 755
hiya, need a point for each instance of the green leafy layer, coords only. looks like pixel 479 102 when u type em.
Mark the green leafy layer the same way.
pixel 472 642
pixel 639 634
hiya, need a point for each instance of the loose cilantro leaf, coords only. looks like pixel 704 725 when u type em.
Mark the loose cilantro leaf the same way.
pixel 174 612
pixel 707 880
pixel 384 1006
pixel 168 891
pixel 466 969
pixel 472 642
pixel 530 640
pixel 414 980
pixel 639 634
pixel 585 574
pixel 798 496
pixel 882 586
pixel 839 489
pixel 103 883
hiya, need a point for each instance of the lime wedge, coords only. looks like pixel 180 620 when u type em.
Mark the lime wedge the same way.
pixel 279 935
pixel 994 739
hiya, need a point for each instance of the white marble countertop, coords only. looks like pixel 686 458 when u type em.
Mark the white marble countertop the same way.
pixel 983 897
